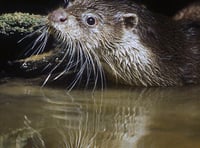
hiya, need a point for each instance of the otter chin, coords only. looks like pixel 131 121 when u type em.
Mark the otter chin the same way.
pixel 127 44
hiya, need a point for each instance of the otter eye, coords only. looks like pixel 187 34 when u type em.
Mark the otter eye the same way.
pixel 91 21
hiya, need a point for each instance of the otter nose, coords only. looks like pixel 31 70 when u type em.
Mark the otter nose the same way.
pixel 58 16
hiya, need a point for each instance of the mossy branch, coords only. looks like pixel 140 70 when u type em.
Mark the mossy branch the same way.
pixel 20 23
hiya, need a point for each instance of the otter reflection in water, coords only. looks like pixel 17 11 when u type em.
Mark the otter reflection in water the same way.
pixel 49 118
pixel 113 41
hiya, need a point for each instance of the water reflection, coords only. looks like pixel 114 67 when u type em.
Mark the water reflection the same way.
pixel 117 118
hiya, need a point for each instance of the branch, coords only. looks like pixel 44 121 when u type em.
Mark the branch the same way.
pixel 20 23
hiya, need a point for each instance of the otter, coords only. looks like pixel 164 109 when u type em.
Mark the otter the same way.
pixel 191 12
pixel 126 43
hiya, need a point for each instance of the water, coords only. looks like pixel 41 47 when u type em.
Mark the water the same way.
pixel 31 117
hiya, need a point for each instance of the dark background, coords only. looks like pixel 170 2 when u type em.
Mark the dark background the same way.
pixel 168 7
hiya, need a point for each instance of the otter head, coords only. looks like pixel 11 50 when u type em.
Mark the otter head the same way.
pixel 92 23
pixel 105 33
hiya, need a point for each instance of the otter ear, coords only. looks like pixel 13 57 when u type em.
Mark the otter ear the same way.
pixel 68 3
pixel 130 20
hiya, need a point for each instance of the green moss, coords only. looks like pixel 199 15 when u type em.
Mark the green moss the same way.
pixel 21 23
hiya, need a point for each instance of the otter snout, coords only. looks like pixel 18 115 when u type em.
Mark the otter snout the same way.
pixel 58 16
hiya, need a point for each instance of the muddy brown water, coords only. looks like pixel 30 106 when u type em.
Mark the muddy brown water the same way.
pixel 35 117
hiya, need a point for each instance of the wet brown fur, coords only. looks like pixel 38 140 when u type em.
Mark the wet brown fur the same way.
pixel 173 45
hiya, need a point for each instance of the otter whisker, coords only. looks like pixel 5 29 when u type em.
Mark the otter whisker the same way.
pixel 90 66
pixel 42 40
pixel 88 70
pixel 96 65
pixel 50 73
pixel 78 77
pixel 46 80
pixel 71 62
pixel 102 75
pixel 42 46
pixel 84 60
pixel 71 50
pixel 57 65
pixel 88 74
pixel 67 69
pixel 32 34
pixel 60 75
pixel 46 67
pixel 100 71
pixel 93 65
pixel 77 57
pixel 80 59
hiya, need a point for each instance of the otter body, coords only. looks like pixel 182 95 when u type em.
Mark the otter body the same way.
pixel 127 43
pixel 191 12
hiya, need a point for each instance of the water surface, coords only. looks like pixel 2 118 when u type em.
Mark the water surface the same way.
pixel 31 117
